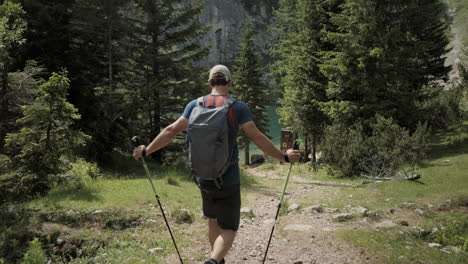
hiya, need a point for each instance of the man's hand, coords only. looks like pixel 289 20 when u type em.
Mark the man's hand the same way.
pixel 138 152
pixel 293 155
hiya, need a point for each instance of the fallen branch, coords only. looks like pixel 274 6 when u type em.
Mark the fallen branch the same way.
pixel 331 184
pixel 410 178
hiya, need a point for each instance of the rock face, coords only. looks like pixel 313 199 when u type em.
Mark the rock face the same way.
pixel 226 18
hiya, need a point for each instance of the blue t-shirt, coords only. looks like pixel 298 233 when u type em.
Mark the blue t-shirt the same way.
pixel 242 115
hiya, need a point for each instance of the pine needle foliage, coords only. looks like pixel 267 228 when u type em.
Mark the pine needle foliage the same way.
pixel 248 85
pixel 47 132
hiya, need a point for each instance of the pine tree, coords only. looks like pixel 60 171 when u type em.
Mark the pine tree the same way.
pixel 12 28
pixel 248 86
pixel 47 132
pixel 298 52
pixel 99 48
pixel 166 44
pixel 384 53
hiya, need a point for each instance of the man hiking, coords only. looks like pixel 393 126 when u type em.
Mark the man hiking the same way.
pixel 220 196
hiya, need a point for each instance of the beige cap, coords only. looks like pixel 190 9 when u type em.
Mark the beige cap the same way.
pixel 220 71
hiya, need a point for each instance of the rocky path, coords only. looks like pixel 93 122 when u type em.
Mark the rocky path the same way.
pixel 301 236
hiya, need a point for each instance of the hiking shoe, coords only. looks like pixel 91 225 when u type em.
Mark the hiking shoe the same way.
pixel 212 261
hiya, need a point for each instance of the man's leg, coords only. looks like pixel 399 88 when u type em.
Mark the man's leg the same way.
pixel 222 244
pixel 213 230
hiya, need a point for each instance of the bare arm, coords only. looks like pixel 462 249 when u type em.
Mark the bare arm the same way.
pixel 265 144
pixel 163 138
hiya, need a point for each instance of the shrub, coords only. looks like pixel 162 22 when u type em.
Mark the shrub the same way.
pixel 388 150
pixel 21 186
pixel 79 176
pixel 343 149
pixel 34 255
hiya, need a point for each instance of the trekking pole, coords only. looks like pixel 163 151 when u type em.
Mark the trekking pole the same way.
pixel 148 175
pixel 296 146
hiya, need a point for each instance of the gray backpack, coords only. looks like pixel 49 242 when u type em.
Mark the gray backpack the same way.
pixel 208 141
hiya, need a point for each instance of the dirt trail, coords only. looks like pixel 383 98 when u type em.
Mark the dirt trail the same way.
pixel 311 243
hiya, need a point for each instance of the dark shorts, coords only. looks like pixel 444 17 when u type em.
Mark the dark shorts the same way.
pixel 223 205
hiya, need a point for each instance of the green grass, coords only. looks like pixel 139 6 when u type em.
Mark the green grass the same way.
pixel 444 176
pixel 390 247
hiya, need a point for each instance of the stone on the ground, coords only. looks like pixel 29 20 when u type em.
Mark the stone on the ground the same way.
pixel 94 216
pixel 257 159
pixel 298 227
pixel 408 205
pixel 247 212
pixel 385 224
pixel 420 211
pixel 313 208
pixel 155 250
pixel 298 262
pixel 293 207
pixel 71 212
pixel 332 210
pixel 150 221
pixel 342 217
pixel 404 223
pixel 373 214
pixel 182 216
pixel 434 230
pixel 59 242
pixel 445 205
pixel 431 245
pixel 452 249
pixel 360 210
pixel 391 211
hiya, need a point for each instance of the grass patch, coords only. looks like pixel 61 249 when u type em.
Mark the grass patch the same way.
pixel 391 247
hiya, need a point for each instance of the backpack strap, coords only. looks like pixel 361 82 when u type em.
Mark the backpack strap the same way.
pixel 201 101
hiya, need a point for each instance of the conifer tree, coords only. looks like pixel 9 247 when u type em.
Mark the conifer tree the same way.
pixel 298 52
pixel 101 31
pixel 12 27
pixel 384 53
pixel 47 131
pixel 248 86
pixel 166 43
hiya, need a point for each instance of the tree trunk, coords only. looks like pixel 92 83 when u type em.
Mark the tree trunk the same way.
pixel 247 154
pixel 306 147
pixel 314 152
pixel 109 41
